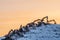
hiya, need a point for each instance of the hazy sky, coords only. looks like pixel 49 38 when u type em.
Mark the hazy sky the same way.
pixel 16 12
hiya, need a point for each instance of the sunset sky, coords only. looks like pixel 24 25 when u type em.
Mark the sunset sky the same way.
pixel 13 13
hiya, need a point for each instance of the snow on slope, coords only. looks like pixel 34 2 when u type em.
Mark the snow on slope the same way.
pixel 44 32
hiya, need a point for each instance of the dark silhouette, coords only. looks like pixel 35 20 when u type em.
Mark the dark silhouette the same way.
pixel 52 21
pixel 9 33
pixel 17 32
pixel 31 24
pixel 23 29
pixel 42 21
pixel 37 20
pixel 7 38
pixel 26 28
pixel 46 17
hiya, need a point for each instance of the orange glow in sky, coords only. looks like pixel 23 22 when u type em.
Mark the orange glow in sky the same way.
pixel 13 13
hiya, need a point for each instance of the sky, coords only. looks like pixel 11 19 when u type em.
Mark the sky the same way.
pixel 13 13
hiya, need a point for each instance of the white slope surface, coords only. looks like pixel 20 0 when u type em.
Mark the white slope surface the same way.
pixel 44 32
